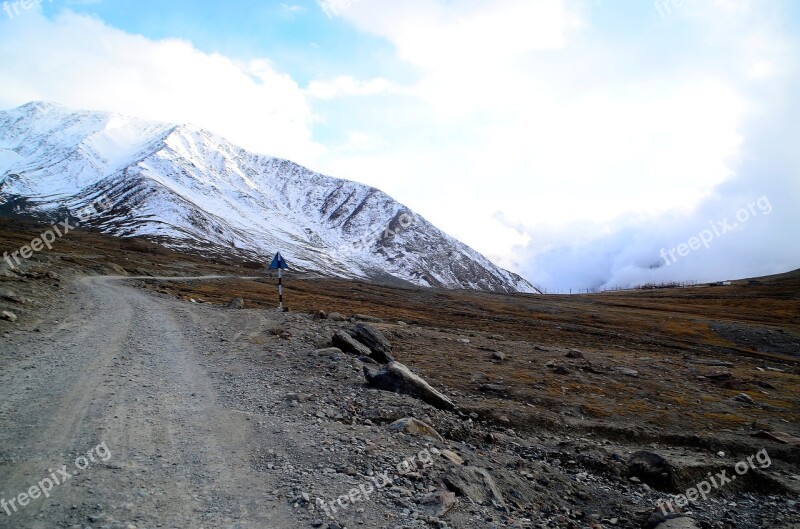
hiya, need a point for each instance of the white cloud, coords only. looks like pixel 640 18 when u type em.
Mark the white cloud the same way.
pixel 293 8
pixel 346 86
pixel 594 143
pixel 334 8
pixel 464 35
pixel 563 149
pixel 83 63
pixel 359 141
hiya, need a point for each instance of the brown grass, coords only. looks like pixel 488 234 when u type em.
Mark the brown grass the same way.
pixel 663 334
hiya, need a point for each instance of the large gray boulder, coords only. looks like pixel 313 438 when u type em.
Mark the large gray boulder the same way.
pixel 437 504
pixel 375 340
pixel 652 469
pixel 346 343
pixel 476 484
pixel 398 378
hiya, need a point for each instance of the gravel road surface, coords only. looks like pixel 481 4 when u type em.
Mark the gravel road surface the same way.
pixel 119 368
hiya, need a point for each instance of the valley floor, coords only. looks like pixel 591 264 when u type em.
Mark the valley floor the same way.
pixel 190 414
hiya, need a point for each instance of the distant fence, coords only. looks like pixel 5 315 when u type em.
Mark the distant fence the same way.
pixel 619 288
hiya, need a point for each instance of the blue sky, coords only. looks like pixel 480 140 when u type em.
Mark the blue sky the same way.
pixel 297 37
pixel 568 140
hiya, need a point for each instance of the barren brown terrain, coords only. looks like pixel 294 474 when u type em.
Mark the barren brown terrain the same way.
pixel 705 376
pixel 680 341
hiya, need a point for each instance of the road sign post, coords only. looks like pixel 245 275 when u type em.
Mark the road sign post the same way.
pixel 279 264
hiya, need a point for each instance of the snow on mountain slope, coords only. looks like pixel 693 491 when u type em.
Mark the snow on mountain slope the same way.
pixel 190 189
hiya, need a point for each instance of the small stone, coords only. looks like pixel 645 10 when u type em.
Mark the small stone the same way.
pixel 12 296
pixel 297 397
pixel 438 503
pixel 364 317
pixel 8 316
pixel 628 372
pixel 415 427
pixel 236 303
pixel 328 351
pixel 452 457
pixel 683 522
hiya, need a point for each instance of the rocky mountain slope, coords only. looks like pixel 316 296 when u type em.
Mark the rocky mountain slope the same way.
pixel 190 189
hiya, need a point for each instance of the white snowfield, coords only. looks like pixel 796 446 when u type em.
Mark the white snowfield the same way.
pixel 188 188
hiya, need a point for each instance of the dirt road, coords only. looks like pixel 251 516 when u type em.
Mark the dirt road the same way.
pixel 170 414
pixel 121 368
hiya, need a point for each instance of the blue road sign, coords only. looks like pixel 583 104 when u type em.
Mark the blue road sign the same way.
pixel 278 262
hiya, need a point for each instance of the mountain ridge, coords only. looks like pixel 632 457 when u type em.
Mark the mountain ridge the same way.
pixel 188 188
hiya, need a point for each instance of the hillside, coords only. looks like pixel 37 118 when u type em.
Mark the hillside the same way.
pixel 187 188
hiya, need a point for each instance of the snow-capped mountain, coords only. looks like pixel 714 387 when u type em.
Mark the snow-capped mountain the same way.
pixel 189 189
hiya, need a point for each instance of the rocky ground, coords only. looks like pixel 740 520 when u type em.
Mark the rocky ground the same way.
pixel 585 411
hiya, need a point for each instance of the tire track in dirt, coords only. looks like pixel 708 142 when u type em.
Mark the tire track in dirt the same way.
pixel 128 377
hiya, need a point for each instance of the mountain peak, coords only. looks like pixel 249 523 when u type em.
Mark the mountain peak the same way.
pixel 188 188
pixel 41 106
